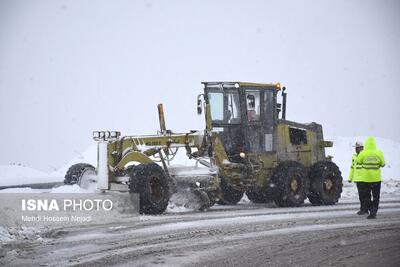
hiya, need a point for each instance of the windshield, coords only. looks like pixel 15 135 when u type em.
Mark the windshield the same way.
pixel 225 106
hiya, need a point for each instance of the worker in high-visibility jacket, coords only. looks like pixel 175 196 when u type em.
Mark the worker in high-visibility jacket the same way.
pixel 355 176
pixel 371 159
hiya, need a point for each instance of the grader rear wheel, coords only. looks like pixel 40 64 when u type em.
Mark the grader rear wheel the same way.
pixel 150 182
pixel 326 183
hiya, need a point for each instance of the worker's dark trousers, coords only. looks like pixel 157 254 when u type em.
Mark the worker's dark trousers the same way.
pixel 361 196
pixel 364 191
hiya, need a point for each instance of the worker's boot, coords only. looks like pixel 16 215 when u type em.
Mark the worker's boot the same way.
pixel 361 212
pixel 372 216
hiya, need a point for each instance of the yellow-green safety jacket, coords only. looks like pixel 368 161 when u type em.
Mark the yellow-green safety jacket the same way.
pixel 355 170
pixel 371 160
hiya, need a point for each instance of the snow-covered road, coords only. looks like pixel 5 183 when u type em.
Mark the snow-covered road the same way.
pixel 246 234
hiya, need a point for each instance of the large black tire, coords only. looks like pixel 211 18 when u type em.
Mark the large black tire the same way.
pixel 151 183
pixel 230 196
pixel 75 172
pixel 291 184
pixel 326 183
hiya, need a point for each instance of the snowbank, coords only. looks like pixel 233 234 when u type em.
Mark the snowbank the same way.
pixel 60 189
pixel 17 175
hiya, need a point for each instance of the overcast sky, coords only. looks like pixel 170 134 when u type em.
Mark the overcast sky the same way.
pixel 70 67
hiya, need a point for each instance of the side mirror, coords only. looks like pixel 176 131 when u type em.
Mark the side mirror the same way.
pixel 199 105
pixel 278 108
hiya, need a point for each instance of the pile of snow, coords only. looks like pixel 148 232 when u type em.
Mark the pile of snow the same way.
pixel 17 175
pixel 16 171
pixel 24 190
pixel 13 233
pixel 244 200
pixel 5 235
pixel 174 208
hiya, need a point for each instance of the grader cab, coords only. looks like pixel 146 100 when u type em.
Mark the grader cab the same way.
pixel 248 146
pixel 278 159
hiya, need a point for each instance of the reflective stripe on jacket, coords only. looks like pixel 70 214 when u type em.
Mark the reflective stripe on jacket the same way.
pixel 355 170
pixel 371 160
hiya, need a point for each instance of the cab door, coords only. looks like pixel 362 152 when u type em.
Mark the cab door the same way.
pixel 259 119
pixel 253 129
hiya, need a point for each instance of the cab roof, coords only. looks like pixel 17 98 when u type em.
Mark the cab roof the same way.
pixel 242 85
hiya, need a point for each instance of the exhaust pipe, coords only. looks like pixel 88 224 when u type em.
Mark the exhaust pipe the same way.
pixel 284 96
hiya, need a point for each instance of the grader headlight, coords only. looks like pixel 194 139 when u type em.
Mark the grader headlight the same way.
pixel 96 135
pixel 106 135
pixel 114 134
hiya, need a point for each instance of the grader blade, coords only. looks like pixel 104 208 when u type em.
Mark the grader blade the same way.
pixel 193 187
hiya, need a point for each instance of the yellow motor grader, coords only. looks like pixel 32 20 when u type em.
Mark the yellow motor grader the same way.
pixel 247 146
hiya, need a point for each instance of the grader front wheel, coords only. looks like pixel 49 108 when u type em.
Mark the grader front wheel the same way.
pixel 76 172
pixel 151 183
pixel 291 184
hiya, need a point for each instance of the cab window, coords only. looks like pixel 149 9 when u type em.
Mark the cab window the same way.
pixel 217 108
pixel 253 105
pixel 297 136
pixel 225 106
pixel 233 108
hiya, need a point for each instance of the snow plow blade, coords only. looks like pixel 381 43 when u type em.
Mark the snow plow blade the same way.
pixel 193 188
